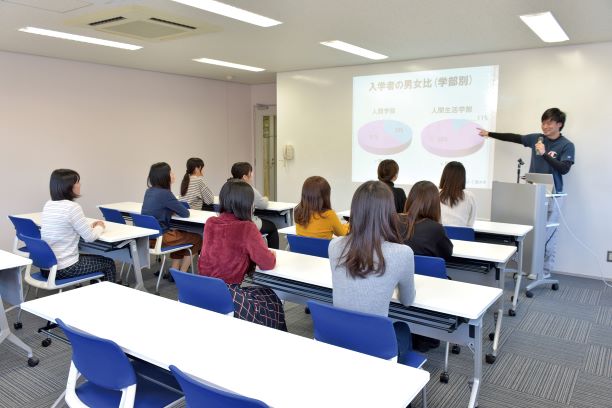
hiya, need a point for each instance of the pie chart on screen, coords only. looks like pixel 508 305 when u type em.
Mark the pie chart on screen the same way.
pixel 384 137
pixel 451 138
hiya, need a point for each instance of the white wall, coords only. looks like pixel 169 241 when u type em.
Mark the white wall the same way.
pixel 314 111
pixel 110 124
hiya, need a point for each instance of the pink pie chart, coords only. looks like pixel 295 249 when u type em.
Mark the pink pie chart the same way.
pixel 451 138
pixel 384 137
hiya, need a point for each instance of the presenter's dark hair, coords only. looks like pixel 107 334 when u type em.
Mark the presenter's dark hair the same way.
pixel 192 164
pixel 61 184
pixel 237 197
pixel 373 221
pixel 241 169
pixel 387 170
pixel 556 115
pixel 452 183
pixel 423 202
pixel 159 175
pixel 315 200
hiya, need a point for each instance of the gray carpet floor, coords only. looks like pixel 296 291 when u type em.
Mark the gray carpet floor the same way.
pixel 556 352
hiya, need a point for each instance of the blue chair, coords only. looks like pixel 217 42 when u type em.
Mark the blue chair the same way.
pixel 23 226
pixel 111 379
pixel 203 291
pixel 112 215
pixel 147 221
pixel 460 233
pixel 362 332
pixel 198 394
pixel 309 246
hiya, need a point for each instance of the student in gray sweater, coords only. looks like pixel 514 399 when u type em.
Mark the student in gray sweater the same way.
pixel 369 263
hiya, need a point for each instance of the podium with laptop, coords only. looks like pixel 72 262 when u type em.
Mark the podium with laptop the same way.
pixel 530 203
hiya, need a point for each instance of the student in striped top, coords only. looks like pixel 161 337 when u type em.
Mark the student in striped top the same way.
pixel 194 190
pixel 160 203
pixel 63 222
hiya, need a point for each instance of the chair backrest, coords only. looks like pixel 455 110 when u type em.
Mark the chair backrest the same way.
pixel 40 252
pixel 101 361
pixel 309 246
pixel 430 266
pixel 112 215
pixel 147 221
pixel 460 233
pixel 357 331
pixel 25 226
pixel 203 291
pixel 185 204
pixel 198 394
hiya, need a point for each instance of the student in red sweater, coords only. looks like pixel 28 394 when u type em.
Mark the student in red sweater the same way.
pixel 232 247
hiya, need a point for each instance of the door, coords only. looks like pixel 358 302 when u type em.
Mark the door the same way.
pixel 265 150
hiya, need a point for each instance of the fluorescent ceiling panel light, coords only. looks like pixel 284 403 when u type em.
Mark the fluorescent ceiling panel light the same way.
pixel 545 26
pixel 353 49
pixel 231 12
pixel 80 38
pixel 228 64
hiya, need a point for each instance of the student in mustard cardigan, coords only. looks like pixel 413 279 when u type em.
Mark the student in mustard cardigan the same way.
pixel 314 216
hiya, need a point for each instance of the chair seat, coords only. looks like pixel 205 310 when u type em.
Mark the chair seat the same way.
pixel 174 248
pixel 413 359
pixel 67 281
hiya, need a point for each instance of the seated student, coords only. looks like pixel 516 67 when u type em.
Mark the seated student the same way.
pixel 63 222
pixel 313 215
pixel 458 204
pixel 231 249
pixel 387 173
pixel 160 203
pixel 244 171
pixel 194 190
pixel 369 262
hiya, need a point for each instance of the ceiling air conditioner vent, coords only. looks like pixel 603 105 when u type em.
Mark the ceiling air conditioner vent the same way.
pixel 159 20
pixel 108 20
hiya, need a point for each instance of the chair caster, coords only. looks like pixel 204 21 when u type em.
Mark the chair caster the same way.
pixel 33 361
pixel 306 310
pixel 46 342
pixel 512 298
pixel 511 313
pixel 455 349
pixel 491 336
pixel 444 377
pixel 156 273
pixel 157 293
pixel 17 325
pixel 529 294
pixel 490 358
pixel 170 278
pixel 555 286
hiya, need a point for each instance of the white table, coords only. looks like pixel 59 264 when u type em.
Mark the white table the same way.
pixel 437 301
pixel 281 369
pixel 120 242
pixel 280 213
pixel 12 293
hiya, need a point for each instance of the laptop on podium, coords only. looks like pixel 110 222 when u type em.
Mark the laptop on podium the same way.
pixel 541 178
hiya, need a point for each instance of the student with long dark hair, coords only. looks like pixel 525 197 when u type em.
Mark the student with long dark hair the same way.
pixel 244 171
pixel 458 205
pixel 162 204
pixel 388 171
pixel 313 215
pixel 194 190
pixel 369 262
pixel 63 223
pixel 232 248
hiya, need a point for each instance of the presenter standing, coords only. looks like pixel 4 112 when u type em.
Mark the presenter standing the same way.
pixel 551 153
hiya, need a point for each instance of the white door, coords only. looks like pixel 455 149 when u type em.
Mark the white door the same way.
pixel 265 150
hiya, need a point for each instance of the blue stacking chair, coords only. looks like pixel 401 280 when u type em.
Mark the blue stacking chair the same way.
pixel 198 394
pixel 362 332
pixel 203 291
pixel 147 221
pixel 111 379
pixel 23 226
pixel 113 215
pixel 309 246
pixel 460 233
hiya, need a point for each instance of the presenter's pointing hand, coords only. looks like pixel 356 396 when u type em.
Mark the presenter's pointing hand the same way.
pixel 482 132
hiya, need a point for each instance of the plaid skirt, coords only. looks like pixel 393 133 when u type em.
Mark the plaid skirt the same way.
pixel 258 305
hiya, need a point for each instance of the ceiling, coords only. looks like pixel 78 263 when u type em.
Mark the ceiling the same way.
pixel 401 29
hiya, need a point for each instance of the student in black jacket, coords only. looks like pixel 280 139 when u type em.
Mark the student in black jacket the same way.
pixel 387 173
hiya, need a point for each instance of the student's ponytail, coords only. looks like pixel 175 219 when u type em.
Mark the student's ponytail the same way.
pixel 192 165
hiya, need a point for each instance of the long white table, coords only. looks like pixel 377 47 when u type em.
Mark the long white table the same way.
pixel 447 310
pixel 249 359
pixel 277 211
pixel 120 242
pixel 12 293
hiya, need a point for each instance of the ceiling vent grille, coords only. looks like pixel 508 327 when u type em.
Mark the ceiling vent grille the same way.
pixel 106 21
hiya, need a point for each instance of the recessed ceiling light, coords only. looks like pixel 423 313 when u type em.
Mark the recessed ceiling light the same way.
pixel 545 26
pixel 353 49
pixel 80 38
pixel 228 64
pixel 231 12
